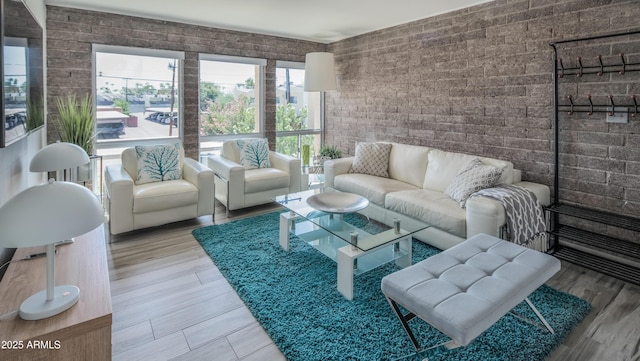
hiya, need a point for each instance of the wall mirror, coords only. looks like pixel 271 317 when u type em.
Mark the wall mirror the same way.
pixel 22 72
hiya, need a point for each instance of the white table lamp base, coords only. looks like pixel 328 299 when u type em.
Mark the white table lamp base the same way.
pixel 37 307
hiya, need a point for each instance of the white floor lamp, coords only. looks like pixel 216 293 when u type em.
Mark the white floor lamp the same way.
pixel 43 215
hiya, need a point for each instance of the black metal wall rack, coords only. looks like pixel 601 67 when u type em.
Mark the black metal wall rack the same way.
pixel 616 257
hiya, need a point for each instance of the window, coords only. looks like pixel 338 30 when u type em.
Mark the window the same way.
pixel 298 113
pixel 231 93
pixel 137 95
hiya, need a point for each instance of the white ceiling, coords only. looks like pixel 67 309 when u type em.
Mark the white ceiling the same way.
pixel 322 21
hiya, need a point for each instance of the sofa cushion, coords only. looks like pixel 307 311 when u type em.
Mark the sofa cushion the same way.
pixel 372 159
pixel 432 207
pixel 159 196
pixel 254 153
pixel 264 179
pixel 371 187
pixel 472 178
pixel 157 163
pixel 408 163
pixel 444 166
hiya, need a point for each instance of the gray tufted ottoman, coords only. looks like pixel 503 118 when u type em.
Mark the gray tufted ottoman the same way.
pixel 465 289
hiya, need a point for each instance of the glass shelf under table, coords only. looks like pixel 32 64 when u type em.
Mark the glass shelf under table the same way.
pixel 328 244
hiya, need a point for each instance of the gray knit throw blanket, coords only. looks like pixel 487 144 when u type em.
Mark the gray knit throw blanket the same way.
pixel 525 218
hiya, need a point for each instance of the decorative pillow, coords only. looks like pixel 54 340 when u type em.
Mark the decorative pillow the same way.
pixel 472 178
pixel 254 153
pixel 157 163
pixel 372 158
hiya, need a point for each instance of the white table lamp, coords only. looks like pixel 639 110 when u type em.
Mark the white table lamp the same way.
pixel 319 72
pixel 58 157
pixel 43 215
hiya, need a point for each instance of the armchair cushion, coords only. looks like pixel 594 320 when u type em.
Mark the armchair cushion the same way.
pixel 159 196
pixel 259 180
pixel 158 163
pixel 254 153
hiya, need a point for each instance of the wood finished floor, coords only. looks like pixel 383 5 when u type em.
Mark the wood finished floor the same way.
pixel 170 302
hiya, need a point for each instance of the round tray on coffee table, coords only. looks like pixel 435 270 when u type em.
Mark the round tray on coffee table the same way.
pixel 338 202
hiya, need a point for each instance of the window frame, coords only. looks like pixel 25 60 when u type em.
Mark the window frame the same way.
pixel 301 65
pixel 158 53
pixel 260 91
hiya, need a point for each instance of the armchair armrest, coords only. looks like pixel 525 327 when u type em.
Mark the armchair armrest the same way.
pixel 290 165
pixel 231 191
pixel 226 168
pixel 202 177
pixel 119 188
pixel 335 167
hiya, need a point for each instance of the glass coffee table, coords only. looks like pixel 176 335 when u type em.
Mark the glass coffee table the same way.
pixel 343 232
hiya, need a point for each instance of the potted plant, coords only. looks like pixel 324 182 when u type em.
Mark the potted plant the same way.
pixel 75 121
pixel 329 152
pixel 75 124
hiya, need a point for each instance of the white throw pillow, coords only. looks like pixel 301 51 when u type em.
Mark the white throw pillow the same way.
pixel 254 153
pixel 157 163
pixel 372 159
pixel 472 178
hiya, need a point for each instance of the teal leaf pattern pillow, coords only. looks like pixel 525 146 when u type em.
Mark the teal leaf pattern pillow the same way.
pixel 254 153
pixel 158 163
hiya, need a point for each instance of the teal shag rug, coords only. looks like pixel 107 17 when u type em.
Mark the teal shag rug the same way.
pixel 294 297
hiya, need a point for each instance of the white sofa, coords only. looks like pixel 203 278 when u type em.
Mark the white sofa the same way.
pixel 237 187
pixel 418 177
pixel 134 206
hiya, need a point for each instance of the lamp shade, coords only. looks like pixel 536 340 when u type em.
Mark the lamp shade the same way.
pixel 48 213
pixel 58 156
pixel 319 72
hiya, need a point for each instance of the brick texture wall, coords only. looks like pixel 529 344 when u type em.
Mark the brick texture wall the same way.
pixel 71 33
pixel 479 81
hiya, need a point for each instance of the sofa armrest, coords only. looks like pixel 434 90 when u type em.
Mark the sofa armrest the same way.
pixel 335 167
pixel 484 215
pixel 119 190
pixel 542 192
pixel 202 177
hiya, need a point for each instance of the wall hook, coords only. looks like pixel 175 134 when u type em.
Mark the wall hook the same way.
pixel 561 68
pixel 624 65
pixel 579 67
pixel 590 105
pixel 635 106
pixel 570 112
pixel 613 106
pixel 601 65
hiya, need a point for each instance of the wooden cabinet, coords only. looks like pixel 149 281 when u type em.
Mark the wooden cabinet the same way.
pixel 82 332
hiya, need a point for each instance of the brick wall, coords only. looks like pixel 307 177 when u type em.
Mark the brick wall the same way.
pixel 479 81
pixel 71 33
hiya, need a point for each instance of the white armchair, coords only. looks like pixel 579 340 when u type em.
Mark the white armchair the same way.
pixel 237 187
pixel 134 206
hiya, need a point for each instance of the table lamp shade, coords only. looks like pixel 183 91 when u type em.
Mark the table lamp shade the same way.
pixel 319 72
pixel 58 156
pixel 48 213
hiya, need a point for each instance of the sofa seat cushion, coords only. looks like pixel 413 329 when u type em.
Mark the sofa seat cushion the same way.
pixel 264 179
pixel 159 196
pixel 371 187
pixel 432 207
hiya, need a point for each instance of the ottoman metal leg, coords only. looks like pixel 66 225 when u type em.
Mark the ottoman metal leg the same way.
pixel 404 320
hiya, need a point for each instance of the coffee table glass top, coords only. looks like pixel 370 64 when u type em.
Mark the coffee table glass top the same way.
pixel 353 228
